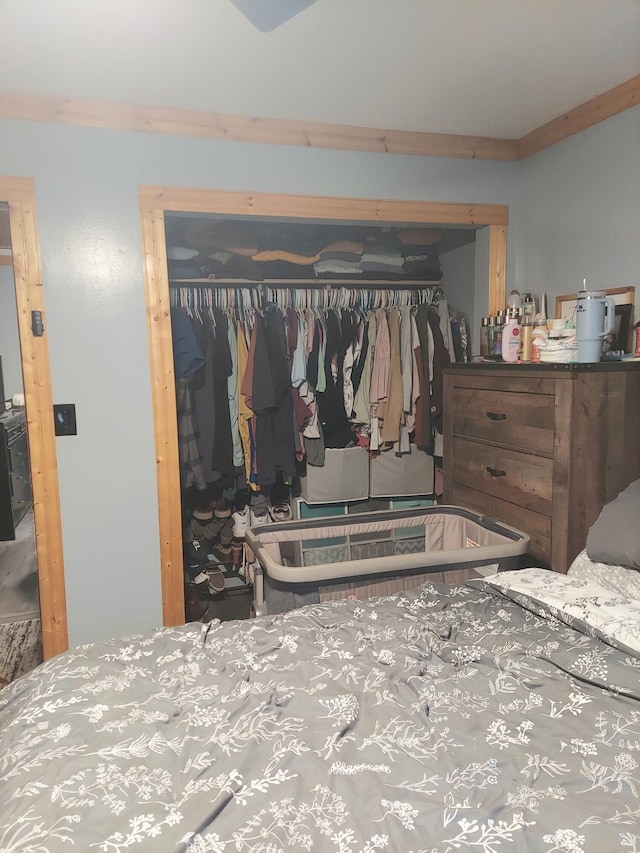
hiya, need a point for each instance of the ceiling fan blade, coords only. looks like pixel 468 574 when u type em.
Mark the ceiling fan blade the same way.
pixel 266 15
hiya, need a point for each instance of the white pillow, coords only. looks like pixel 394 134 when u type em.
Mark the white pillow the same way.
pixel 616 579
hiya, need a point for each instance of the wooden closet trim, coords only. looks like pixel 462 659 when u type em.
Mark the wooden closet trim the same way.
pixel 20 194
pixel 497 267
pixel 154 201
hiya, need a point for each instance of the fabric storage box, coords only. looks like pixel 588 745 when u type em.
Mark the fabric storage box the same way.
pixel 343 477
pixel 392 476
pixel 378 546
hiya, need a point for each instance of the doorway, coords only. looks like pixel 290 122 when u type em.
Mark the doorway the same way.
pixel 20 628
pixel 154 202
pixel 35 510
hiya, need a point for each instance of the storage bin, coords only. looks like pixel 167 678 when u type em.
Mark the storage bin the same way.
pixel 392 476
pixel 343 477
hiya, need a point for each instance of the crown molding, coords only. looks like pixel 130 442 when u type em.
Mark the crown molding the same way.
pixel 196 123
pixel 598 109
pixel 207 125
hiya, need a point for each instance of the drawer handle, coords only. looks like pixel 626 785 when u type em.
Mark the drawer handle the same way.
pixel 496 472
pixel 497 416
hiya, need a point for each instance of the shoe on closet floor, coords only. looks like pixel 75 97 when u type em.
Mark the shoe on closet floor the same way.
pixel 195 577
pixel 222 508
pixel 255 519
pixel 222 553
pixel 240 522
pixel 280 512
pixel 215 581
pixel 237 553
pixel 205 525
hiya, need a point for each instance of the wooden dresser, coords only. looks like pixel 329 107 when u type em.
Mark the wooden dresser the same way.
pixel 541 447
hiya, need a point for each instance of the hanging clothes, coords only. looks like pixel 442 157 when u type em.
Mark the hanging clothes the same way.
pixel 244 412
pixel 333 419
pixel 191 473
pixel 394 408
pixel 272 401
pixel 424 431
pixel 232 391
pixel 222 451
pixel 284 372
pixel 204 401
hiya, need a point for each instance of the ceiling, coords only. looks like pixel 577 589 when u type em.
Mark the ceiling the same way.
pixel 496 68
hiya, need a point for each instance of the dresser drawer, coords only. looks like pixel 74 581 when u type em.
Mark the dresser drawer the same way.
pixel 519 478
pixel 538 526
pixel 515 419
pixel 20 483
pixel 18 452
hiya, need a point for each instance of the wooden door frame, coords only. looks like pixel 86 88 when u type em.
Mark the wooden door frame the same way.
pixel 21 197
pixel 154 202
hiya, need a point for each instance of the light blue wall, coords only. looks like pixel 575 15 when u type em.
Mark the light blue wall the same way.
pixel 580 211
pixel 87 204
pixel 574 212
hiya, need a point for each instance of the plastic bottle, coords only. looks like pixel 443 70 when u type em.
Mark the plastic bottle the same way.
pixel 511 338
pixel 490 330
pixel 528 306
pixel 484 337
pixel 514 300
pixel 497 334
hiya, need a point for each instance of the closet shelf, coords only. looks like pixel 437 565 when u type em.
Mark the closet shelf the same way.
pixel 390 284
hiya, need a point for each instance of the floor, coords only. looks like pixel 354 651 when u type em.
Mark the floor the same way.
pixel 20 629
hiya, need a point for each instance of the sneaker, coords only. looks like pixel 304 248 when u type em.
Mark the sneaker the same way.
pixel 207 527
pixel 237 553
pixel 240 522
pixel 222 508
pixel 257 520
pixel 195 577
pixel 226 531
pixel 222 553
pixel 280 512
pixel 215 581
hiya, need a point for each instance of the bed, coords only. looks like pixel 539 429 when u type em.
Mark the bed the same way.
pixel 499 715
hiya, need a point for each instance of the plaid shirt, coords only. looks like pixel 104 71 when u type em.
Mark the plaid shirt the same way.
pixel 190 464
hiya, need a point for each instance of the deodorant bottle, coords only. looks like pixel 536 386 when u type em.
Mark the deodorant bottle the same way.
pixel 511 338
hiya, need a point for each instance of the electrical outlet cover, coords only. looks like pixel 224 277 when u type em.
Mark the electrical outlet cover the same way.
pixel 64 418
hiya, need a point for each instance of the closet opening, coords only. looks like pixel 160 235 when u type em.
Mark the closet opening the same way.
pixel 225 286
pixel 33 605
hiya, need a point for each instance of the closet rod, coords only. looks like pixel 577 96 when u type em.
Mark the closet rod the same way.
pixel 302 283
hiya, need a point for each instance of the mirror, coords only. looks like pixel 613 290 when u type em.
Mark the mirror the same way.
pixel 20 623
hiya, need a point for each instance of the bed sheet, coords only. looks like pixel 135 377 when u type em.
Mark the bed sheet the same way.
pixel 438 720
pixel 614 578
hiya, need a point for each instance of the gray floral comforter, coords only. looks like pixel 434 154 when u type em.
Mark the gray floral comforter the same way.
pixel 449 719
